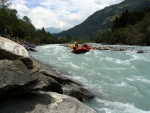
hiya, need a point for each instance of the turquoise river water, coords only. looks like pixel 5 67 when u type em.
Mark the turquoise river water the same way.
pixel 121 78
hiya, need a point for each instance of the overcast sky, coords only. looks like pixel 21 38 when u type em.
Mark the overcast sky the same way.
pixel 63 14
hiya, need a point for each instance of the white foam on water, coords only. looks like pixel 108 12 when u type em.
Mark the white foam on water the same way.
pixel 138 78
pixel 96 53
pixel 142 79
pixel 124 62
pixel 87 59
pixel 117 107
pixel 74 66
pixel 83 65
pixel 108 58
pixel 113 68
pixel 79 78
pixel 122 84
pixel 135 56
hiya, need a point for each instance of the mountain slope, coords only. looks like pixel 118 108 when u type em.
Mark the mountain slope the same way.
pixel 102 20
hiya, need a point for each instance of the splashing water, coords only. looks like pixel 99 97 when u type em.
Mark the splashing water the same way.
pixel 121 78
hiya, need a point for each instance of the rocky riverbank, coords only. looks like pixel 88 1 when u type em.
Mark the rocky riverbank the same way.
pixel 102 47
pixel 108 47
pixel 27 85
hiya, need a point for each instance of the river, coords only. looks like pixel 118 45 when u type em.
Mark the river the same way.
pixel 120 78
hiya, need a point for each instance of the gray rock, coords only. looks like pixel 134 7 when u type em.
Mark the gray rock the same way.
pixel 16 78
pixel 140 51
pixel 77 91
pixel 48 84
pixel 12 47
pixel 14 51
pixel 42 102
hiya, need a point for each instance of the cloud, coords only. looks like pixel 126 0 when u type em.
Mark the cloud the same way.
pixel 62 14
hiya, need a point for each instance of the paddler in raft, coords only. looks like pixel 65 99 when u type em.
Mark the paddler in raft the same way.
pixel 85 45
pixel 74 46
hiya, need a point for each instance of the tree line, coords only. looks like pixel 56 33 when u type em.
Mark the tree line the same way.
pixel 131 28
pixel 13 27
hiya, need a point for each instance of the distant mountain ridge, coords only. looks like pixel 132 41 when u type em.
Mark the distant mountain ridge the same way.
pixel 102 20
pixel 53 30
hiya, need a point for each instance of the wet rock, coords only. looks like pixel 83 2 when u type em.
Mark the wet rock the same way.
pixel 14 51
pixel 42 102
pixel 77 91
pixel 140 51
pixel 48 84
pixel 13 48
pixel 16 78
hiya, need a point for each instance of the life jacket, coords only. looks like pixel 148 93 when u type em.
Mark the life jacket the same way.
pixel 74 46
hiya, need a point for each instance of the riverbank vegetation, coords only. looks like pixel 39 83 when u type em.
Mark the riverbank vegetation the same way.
pixel 13 27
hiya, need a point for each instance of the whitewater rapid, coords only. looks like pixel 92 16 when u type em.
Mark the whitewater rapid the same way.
pixel 120 79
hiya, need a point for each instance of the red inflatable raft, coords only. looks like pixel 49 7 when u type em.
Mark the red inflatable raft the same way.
pixel 80 50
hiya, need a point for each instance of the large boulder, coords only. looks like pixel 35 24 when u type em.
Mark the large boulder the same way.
pixel 13 51
pixel 42 102
pixel 16 78
pixel 12 47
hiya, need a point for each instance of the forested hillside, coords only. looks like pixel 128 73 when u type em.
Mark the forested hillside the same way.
pixel 130 28
pixel 102 20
